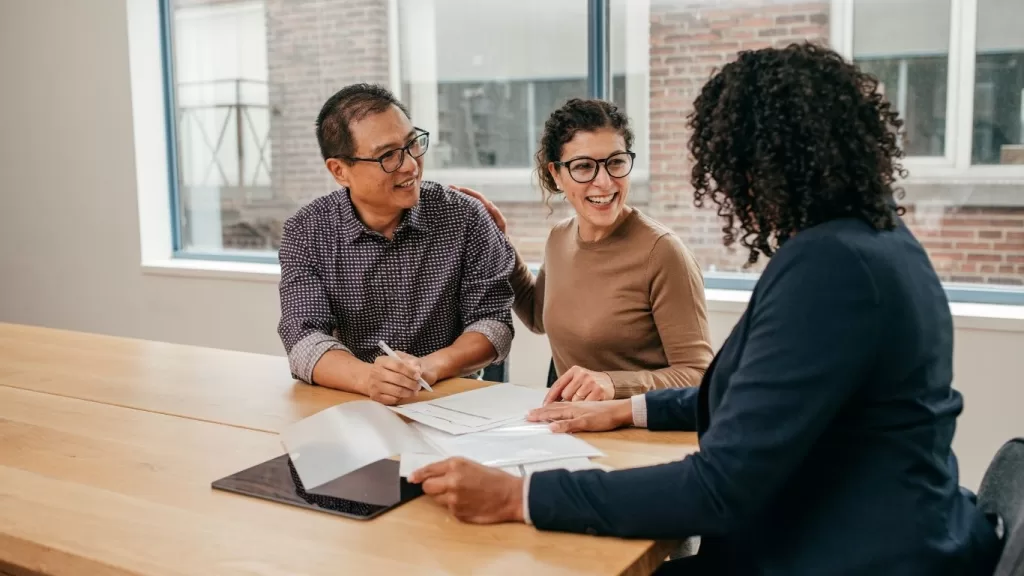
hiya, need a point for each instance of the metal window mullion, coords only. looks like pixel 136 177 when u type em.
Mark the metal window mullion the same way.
pixel 171 121
pixel 598 49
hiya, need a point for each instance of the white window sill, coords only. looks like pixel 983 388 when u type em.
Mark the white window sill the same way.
pixel 966 315
pixel 213 269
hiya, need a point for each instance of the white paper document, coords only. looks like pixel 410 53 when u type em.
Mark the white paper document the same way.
pixel 500 447
pixel 476 410
pixel 345 438
pixel 411 462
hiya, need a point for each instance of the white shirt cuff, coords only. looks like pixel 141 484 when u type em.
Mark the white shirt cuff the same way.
pixel 526 500
pixel 639 410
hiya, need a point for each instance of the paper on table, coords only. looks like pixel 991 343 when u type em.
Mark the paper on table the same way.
pixel 518 444
pixel 476 410
pixel 346 437
pixel 411 462
pixel 569 464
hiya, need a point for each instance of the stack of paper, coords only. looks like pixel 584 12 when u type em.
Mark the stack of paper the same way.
pixel 486 425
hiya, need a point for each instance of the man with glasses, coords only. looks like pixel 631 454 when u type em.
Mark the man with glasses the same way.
pixel 389 258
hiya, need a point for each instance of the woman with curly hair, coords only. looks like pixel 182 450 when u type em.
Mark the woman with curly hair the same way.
pixel 619 295
pixel 826 418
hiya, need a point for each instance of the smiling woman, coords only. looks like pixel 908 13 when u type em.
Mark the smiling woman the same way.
pixel 619 295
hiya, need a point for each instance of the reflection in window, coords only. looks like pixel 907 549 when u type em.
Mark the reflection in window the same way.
pixel 498 124
pixel 917 89
pixel 999 84
pixel 905 45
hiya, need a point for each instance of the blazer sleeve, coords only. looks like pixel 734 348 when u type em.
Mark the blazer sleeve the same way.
pixel 672 409
pixel 811 341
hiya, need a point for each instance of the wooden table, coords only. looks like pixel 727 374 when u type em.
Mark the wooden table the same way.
pixel 108 447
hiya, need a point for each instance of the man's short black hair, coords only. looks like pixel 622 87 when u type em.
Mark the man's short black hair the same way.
pixel 351 103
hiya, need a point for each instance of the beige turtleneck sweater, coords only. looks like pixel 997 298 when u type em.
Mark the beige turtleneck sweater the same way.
pixel 630 305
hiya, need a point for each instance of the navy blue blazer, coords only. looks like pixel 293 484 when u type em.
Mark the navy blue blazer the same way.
pixel 825 424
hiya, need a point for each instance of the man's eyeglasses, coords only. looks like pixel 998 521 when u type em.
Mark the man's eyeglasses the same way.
pixel 393 159
pixel 584 170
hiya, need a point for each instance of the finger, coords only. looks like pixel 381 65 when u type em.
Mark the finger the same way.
pixel 397 391
pixel 470 192
pixel 436 485
pixel 555 392
pixel 432 470
pixel 499 218
pixel 401 367
pixel 445 499
pixel 570 389
pixel 586 388
pixel 387 399
pixel 597 393
pixel 551 413
pixel 399 378
pixel 569 426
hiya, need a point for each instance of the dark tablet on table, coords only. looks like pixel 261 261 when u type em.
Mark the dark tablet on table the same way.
pixel 363 494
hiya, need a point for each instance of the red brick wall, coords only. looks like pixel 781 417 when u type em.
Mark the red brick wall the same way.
pixel 972 244
pixel 315 48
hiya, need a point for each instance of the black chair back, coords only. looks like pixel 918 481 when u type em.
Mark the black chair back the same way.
pixel 1002 493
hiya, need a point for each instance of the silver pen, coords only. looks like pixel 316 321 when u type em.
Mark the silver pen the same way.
pixel 387 350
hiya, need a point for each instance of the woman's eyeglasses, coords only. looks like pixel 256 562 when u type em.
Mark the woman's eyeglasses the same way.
pixel 584 170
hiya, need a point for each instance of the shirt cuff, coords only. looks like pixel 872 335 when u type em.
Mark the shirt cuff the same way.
pixel 639 403
pixel 307 352
pixel 526 500
pixel 499 334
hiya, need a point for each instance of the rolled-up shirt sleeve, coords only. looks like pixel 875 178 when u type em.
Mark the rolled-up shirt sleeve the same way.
pixel 307 328
pixel 486 295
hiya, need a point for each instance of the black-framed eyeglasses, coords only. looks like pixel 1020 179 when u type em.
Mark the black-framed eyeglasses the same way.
pixel 584 170
pixel 393 159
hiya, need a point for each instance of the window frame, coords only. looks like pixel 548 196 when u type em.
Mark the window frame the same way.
pixel 954 167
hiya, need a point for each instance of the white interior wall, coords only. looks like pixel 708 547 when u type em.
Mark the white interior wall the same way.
pixel 70 240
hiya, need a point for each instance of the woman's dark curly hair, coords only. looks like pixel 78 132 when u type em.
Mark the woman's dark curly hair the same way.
pixel 785 139
pixel 576 115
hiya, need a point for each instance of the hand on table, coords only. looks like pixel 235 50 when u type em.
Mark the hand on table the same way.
pixel 472 492
pixel 584 416
pixel 579 384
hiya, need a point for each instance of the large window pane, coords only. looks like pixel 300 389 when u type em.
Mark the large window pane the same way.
pixel 905 44
pixel 497 70
pixel 250 77
pixel 223 117
pixel 999 84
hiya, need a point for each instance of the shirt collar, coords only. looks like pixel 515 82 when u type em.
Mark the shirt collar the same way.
pixel 352 227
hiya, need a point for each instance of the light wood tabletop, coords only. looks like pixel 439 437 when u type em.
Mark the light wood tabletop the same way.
pixel 108 447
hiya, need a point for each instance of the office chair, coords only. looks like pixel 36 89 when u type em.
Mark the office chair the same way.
pixel 496 372
pixel 1002 493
